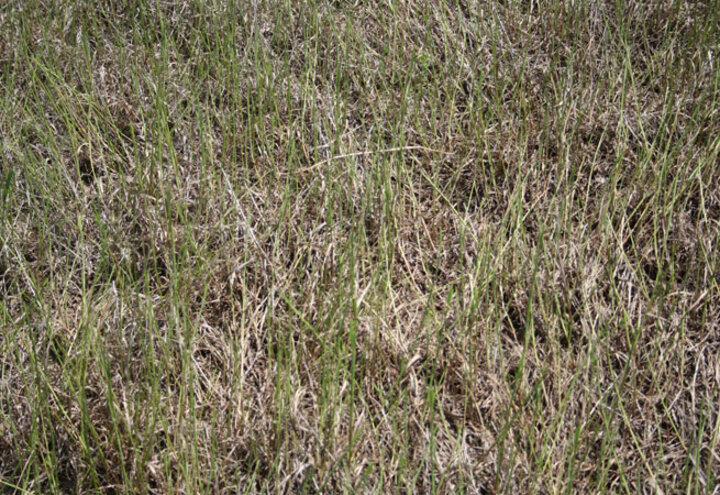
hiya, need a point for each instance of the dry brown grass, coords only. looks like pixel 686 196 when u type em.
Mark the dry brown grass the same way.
pixel 373 247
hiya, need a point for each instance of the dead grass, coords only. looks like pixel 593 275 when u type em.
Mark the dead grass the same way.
pixel 374 247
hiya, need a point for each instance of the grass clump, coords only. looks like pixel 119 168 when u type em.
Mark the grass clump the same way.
pixel 359 247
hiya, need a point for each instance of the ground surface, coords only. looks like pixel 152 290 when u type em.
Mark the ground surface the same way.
pixel 359 247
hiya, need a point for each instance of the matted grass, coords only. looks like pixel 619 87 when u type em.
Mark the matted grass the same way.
pixel 359 247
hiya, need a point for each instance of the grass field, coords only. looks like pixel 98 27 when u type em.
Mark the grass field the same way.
pixel 360 247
